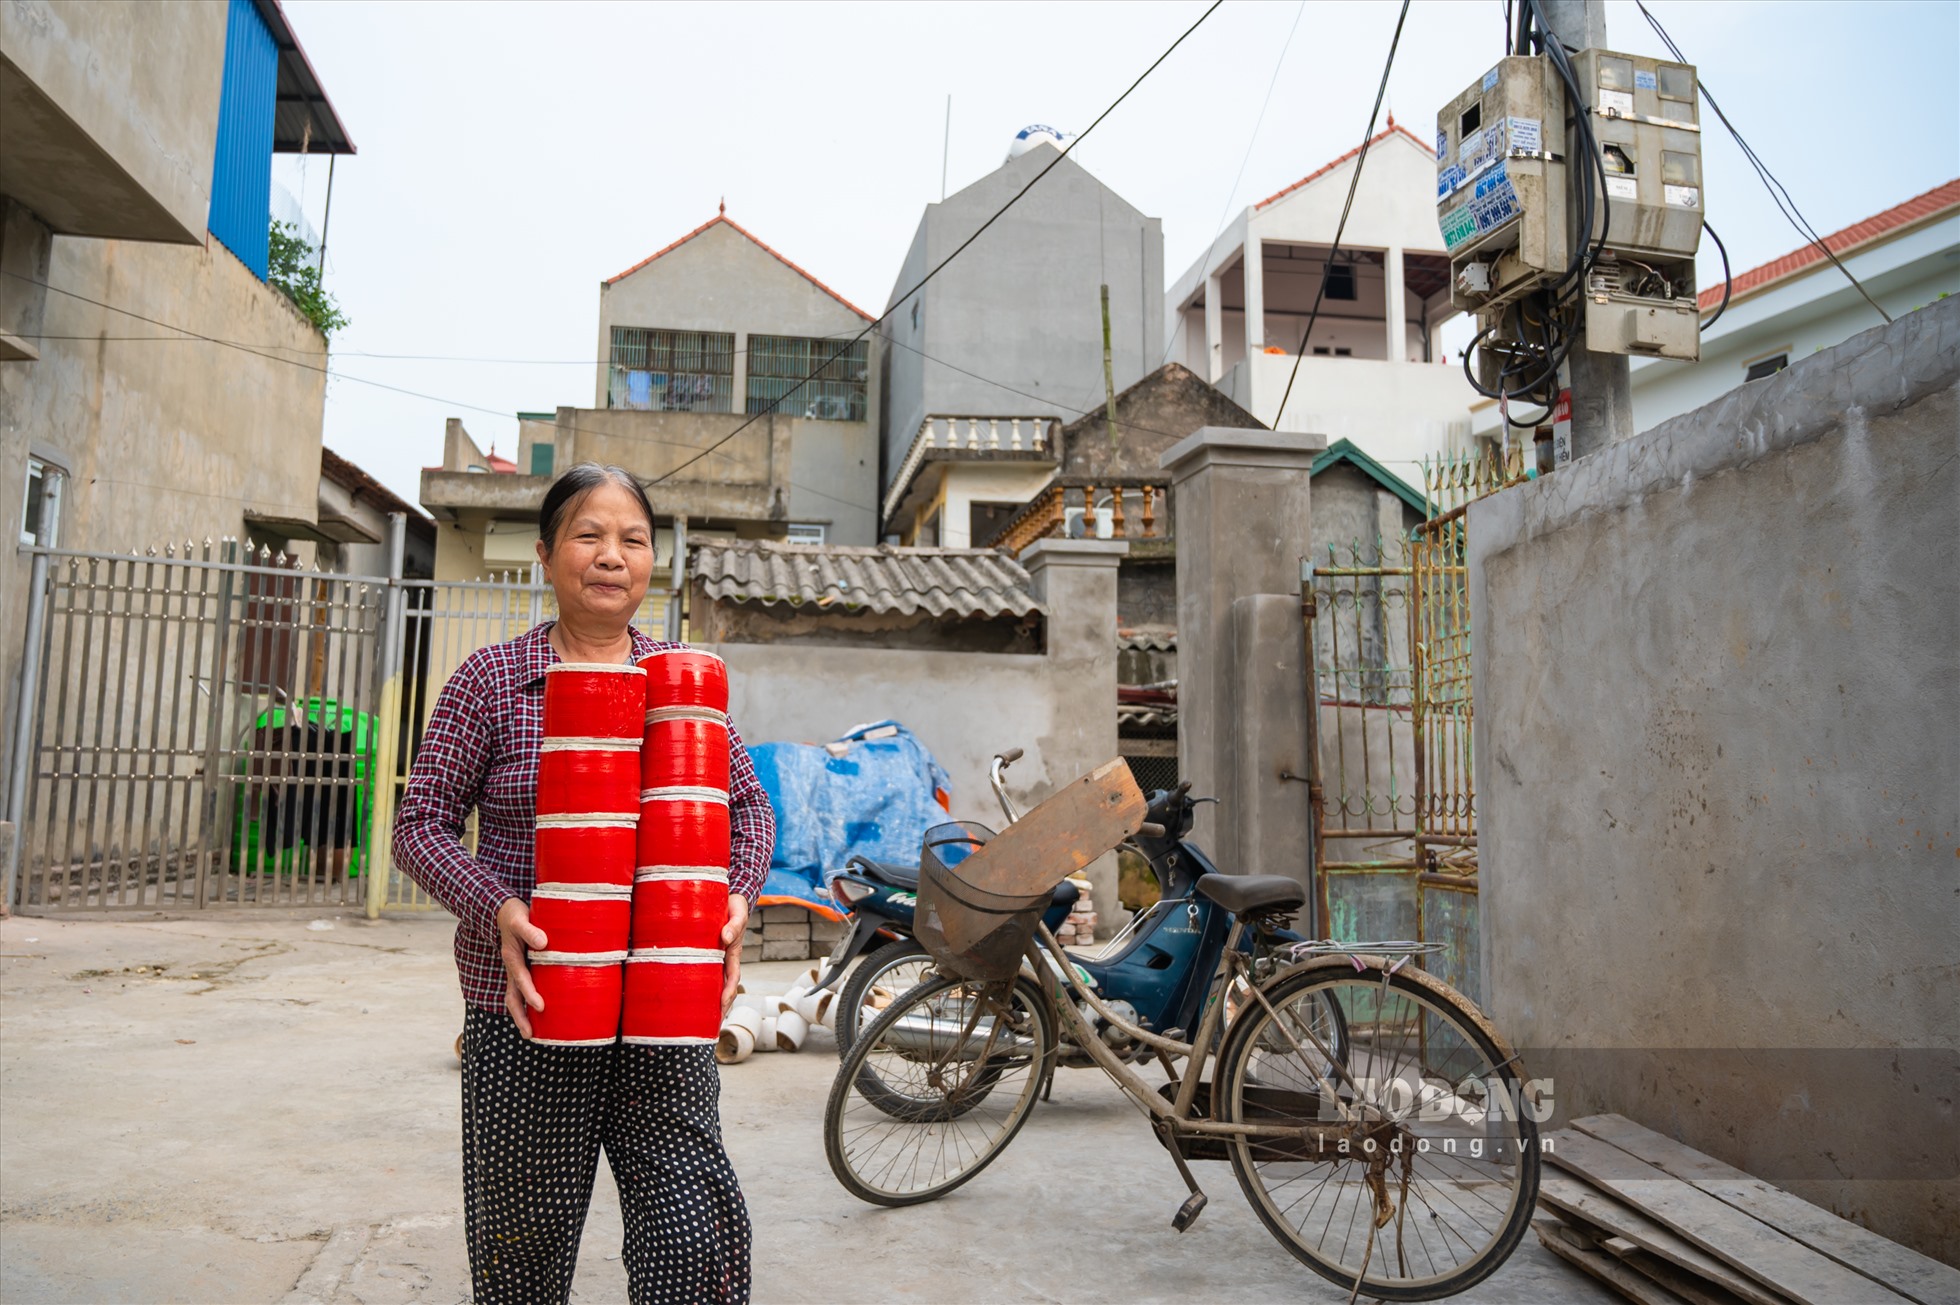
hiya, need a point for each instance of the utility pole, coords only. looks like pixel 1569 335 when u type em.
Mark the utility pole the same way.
pixel 1109 372
pixel 1601 384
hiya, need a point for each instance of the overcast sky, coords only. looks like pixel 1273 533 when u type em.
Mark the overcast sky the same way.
pixel 512 156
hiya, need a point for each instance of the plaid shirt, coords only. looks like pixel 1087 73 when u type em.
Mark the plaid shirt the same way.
pixel 481 750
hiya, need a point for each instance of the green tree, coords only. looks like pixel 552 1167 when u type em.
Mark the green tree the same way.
pixel 289 269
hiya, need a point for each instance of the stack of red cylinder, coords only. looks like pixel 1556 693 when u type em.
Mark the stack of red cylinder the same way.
pixel 680 889
pixel 588 804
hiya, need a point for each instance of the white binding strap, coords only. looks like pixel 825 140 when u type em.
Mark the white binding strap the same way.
pixel 586 744
pixel 684 793
pixel 608 819
pixel 656 874
pixel 675 955
pixel 583 892
pixel 670 1042
pixel 707 715
pixel 610 668
pixel 576 958
pixel 574 1042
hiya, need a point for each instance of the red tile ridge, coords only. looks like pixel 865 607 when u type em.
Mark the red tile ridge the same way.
pixel 1394 128
pixel 723 219
pixel 1935 203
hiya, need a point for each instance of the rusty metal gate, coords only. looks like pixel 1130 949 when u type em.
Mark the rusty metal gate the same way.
pixel 1393 789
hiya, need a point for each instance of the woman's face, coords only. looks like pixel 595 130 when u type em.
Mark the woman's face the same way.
pixel 602 560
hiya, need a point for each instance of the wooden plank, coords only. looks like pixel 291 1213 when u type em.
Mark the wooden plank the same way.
pixel 1081 821
pixel 1694 1290
pixel 1575 1199
pixel 1571 1247
pixel 1755 1248
pixel 1917 1277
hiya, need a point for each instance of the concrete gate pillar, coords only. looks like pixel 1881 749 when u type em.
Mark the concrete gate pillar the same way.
pixel 1239 499
pixel 1075 579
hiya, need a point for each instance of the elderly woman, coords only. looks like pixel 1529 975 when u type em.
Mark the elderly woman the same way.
pixel 534 1117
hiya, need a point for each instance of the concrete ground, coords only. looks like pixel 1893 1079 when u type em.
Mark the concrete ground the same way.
pixel 245 1108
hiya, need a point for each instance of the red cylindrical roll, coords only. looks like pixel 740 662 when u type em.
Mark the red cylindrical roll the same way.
pixel 685 746
pixel 673 996
pixel 586 851
pixel 582 998
pixel 582 918
pixel 588 779
pixel 686 677
pixel 683 827
pixel 679 906
pixel 588 700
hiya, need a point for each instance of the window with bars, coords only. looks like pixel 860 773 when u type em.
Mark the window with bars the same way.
pixel 777 363
pixel 671 371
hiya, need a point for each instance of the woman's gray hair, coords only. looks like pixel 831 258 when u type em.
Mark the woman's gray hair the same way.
pixel 570 489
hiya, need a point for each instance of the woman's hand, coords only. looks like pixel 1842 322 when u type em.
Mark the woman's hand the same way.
pixel 731 940
pixel 516 932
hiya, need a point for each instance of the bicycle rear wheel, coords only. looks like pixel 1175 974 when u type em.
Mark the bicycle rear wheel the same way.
pixel 935 1088
pixel 1421 1177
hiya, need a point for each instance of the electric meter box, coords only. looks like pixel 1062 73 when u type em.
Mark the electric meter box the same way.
pixel 1641 295
pixel 1500 183
pixel 1506 165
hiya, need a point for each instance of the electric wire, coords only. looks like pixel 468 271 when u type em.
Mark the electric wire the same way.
pixel 1728 282
pixel 957 251
pixel 1777 192
pixel 1340 228
pixel 1212 247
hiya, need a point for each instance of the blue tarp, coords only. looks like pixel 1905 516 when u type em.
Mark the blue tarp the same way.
pixel 870 793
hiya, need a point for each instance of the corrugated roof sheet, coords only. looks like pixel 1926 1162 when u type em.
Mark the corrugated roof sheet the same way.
pixel 1147 638
pixel 1130 715
pixel 960 582
pixel 1935 202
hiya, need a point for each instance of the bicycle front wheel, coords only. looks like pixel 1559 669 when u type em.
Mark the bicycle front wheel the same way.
pixel 1419 1173
pixel 935 1088
pixel 893 968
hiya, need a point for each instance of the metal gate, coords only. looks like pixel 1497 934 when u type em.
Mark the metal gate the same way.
pixel 1393 789
pixel 197 731
pixel 209 727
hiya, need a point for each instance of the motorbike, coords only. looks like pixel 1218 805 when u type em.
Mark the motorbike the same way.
pixel 1153 973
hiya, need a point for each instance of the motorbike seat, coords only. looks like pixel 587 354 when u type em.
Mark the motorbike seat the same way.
pixel 1242 893
pixel 907 877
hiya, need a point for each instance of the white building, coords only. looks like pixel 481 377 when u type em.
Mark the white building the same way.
pixel 1375 371
pixel 1796 305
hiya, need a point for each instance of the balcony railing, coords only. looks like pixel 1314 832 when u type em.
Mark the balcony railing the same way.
pixel 1026 437
pixel 1082 507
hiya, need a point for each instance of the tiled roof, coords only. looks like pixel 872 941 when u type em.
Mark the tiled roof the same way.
pixel 358 482
pixel 722 219
pixel 1936 202
pixel 1393 129
pixel 943 581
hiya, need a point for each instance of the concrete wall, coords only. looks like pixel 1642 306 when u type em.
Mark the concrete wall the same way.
pixel 108 114
pixel 965 707
pixel 1023 305
pixel 1718 670
pixel 721 280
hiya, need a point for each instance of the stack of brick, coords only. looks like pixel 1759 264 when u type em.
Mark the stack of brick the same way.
pixel 1079 929
pixel 789 933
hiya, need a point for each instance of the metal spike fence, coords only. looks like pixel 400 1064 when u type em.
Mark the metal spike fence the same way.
pixel 208 726
pixel 1394 791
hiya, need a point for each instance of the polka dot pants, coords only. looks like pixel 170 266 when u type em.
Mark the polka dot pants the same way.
pixel 534 1119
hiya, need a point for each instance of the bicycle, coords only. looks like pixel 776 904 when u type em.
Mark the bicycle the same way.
pixel 1374 1119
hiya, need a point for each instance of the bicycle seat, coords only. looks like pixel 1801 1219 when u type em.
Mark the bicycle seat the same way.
pixel 1242 893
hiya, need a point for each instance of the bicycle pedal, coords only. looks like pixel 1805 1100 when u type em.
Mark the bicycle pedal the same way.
pixel 1187 1214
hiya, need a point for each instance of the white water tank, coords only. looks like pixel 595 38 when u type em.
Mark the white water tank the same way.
pixel 1034 134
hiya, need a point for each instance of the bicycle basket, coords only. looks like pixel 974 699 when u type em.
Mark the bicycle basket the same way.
pixel 970 931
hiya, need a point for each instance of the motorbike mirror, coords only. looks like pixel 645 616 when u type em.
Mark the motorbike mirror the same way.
pixel 1183 787
pixel 1151 829
pixel 1010 756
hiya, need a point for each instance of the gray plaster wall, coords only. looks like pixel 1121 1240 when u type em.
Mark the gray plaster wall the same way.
pixel 1718 676
pixel 1060 706
pixel 1023 306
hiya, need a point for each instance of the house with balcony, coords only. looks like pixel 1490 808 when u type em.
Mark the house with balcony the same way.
pixel 136 146
pixel 985 364
pixel 1374 371
pixel 705 342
